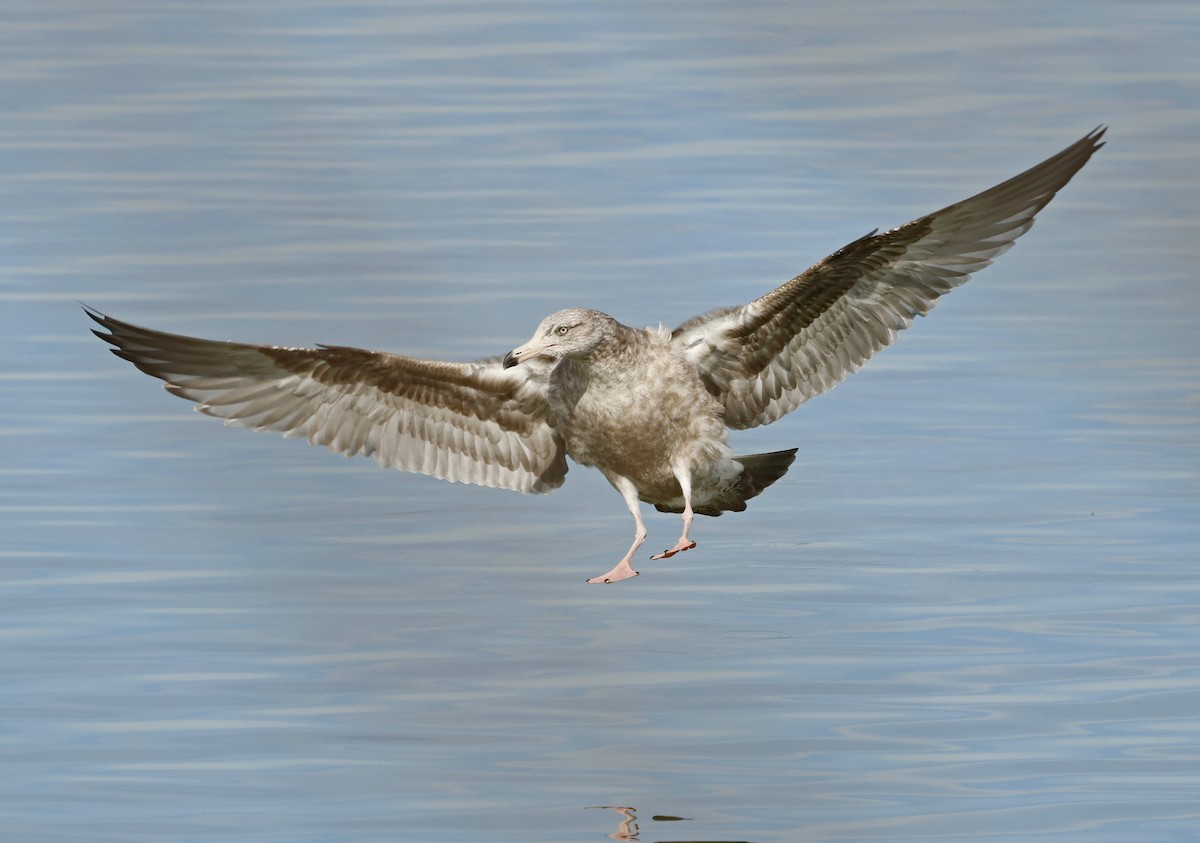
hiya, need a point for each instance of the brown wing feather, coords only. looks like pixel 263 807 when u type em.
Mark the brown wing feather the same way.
pixel 465 422
pixel 764 359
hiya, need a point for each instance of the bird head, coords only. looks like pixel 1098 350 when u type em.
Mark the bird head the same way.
pixel 574 333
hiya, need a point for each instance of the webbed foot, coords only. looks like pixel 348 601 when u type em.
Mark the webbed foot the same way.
pixel 622 571
pixel 680 546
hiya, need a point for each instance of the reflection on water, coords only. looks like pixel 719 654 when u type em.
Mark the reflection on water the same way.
pixel 968 612
pixel 629 828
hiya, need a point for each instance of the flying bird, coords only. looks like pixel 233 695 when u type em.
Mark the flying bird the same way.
pixel 650 408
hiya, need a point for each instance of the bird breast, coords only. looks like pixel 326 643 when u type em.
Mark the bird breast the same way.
pixel 638 419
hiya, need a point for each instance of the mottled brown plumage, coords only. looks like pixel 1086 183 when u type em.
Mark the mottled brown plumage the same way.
pixel 648 408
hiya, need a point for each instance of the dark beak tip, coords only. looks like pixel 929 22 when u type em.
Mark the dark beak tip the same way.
pixel 509 360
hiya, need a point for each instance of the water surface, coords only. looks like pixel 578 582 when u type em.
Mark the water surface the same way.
pixel 970 611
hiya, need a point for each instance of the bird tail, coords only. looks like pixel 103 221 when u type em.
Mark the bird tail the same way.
pixel 758 472
pixel 761 470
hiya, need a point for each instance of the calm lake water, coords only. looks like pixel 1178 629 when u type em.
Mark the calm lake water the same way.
pixel 971 611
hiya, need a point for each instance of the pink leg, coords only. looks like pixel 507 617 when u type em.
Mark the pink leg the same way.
pixel 624 570
pixel 684 543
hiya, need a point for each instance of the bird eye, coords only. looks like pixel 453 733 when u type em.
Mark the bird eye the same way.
pixel 561 330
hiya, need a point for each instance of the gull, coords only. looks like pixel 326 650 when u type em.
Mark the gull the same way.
pixel 650 408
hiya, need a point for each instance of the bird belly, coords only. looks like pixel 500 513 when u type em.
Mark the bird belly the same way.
pixel 646 437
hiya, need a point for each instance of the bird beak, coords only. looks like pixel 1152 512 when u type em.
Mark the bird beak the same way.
pixel 530 349
pixel 520 353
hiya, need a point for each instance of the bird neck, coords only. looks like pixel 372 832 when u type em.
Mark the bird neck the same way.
pixel 615 345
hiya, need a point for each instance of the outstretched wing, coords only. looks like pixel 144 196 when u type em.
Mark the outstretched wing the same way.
pixel 465 422
pixel 764 359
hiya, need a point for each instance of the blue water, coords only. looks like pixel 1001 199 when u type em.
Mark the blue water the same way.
pixel 970 611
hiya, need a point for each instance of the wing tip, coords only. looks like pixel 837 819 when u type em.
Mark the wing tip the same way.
pixel 107 324
pixel 95 315
pixel 1094 139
